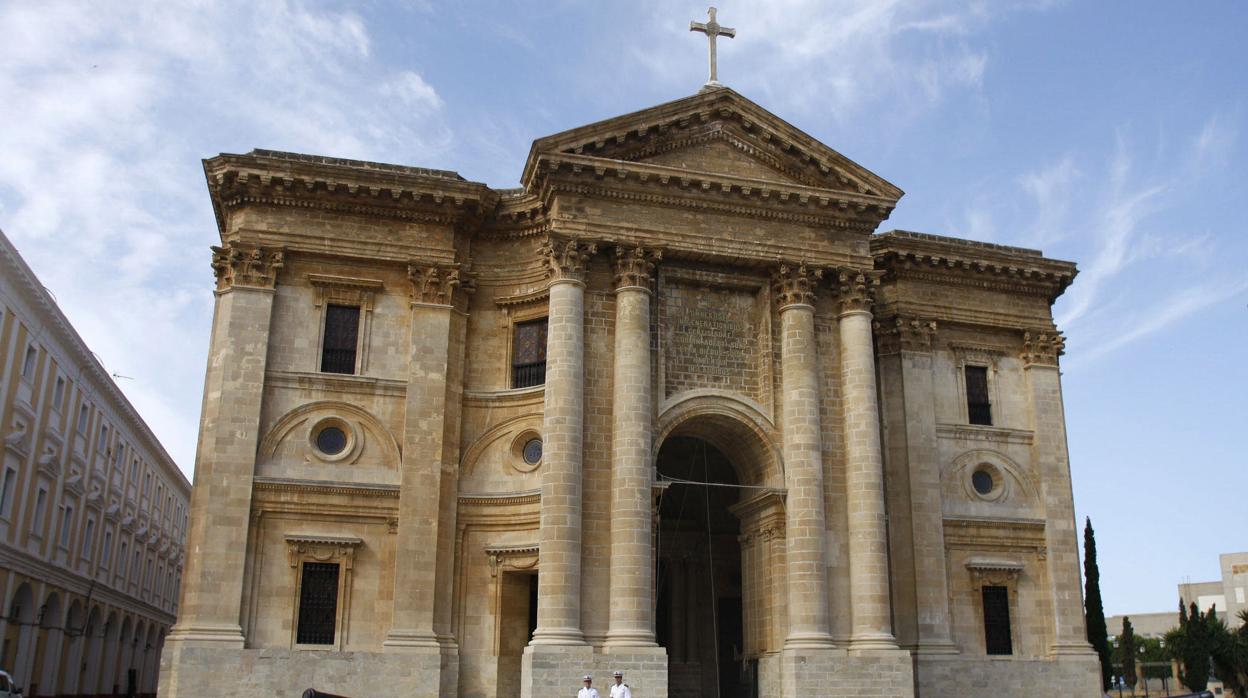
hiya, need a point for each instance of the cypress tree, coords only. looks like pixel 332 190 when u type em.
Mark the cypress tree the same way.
pixel 1093 610
pixel 1128 652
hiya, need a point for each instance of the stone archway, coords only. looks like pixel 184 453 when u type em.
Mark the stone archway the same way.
pixel 52 642
pixel 720 584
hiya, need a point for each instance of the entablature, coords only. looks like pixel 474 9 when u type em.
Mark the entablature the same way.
pixel 271 178
pixel 661 185
pixel 949 261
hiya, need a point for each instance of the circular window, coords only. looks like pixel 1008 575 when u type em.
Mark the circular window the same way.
pixel 532 452
pixel 983 482
pixel 331 440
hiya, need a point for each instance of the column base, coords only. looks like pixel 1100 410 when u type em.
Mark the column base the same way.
pixel 224 636
pixel 872 642
pixel 404 640
pixel 1066 649
pixel 559 637
pixel 835 672
pixel 809 641
pixel 628 639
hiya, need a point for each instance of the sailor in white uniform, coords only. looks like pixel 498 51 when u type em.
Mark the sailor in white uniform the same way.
pixel 589 691
pixel 620 689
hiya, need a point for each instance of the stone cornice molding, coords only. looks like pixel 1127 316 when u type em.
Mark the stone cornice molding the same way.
pixel 675 186
pixel 491 499
pixel 904 333
pixel 903 254
pixel 795 284
pixel 634 266
pixel 567 259
pixel 1042 347
pixel 512 557
pixel 241 264
pixel 301 547
pixel 348 186
pixel 994 572
pixel 325 487
pixel 801 217
pixel 854 288
pixel 344 289
pixel 445 285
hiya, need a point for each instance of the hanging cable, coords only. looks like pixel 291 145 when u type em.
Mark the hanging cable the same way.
pixel 681 481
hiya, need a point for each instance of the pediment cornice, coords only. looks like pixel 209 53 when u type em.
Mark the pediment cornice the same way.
pixel 671 125
pixel 347 186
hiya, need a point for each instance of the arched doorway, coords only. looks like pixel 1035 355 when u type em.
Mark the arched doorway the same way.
pixel 700 611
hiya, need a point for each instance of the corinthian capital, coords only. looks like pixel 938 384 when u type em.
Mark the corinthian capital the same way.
pixel 1041 347
pixel 567 259
pixel 902 333
pixel 240 264
pixel 438 285
pixel 634 266
pixel 794 284
pixel 855 288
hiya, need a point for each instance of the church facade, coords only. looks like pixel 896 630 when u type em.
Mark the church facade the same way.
pixel 672 408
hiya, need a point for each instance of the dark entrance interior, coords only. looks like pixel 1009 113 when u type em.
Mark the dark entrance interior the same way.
pixel 517 621
pixel 699 613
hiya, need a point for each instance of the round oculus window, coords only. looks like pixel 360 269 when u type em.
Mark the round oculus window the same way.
pixel 532 452
pixel 331 440
pixel 983 482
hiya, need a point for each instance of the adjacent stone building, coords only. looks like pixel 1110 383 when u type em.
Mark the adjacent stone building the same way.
pixel 457 441
pixel 93 511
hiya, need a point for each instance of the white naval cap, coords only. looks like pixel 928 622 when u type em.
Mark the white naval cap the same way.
pixel 588 678
pixel 619 674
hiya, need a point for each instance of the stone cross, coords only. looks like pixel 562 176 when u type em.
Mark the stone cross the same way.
pixel 712 29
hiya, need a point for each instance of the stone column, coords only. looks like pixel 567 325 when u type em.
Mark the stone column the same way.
pixel 864 476
pixel 1049 455
pixel 212 587
pixel 559 585
pixel 805 523
pixel 632 553
pixel 920 586
pixel 430 394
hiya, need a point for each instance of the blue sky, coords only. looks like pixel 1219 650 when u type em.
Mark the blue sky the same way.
pixel 1107 133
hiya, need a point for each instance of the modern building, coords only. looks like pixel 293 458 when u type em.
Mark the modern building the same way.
pixel 671 408
pixel 92 510
pixel 1227 595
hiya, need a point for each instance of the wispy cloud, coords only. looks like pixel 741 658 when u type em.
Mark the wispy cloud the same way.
pixel 840 58
pixel 107 109
pixel 1124 220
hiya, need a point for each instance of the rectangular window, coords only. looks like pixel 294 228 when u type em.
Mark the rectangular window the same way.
pixel 67 519
pixel 6 492
pixel 106 556
pixel 318 604
pixel 103 440
pixel 978 407
pixel 83 414
pixel 121 559
pixel 147 484
pixel 528 354
pixel 997 620
pixel 342 331
pixel 41 503
pixel 88 538
pixel 28 364
pixel 134 470
pixel 134 569
pixel 58 394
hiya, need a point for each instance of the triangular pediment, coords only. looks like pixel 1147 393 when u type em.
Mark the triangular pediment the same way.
pixel 717 132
